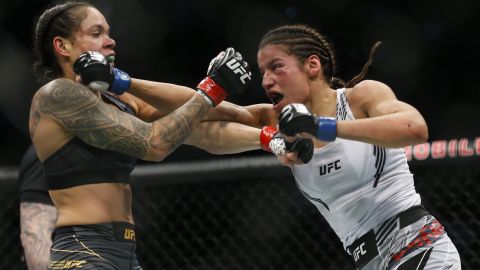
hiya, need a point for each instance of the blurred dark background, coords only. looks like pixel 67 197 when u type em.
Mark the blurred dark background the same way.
pixel 429 56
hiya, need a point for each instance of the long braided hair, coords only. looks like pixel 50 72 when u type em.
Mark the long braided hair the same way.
pixel 60 20
pixel 303 41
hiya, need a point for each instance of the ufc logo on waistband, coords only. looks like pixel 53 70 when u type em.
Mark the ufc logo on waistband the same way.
pixel 358 251
pixel 364 249
pixel 129 234
pixel 234 65
pixel 67 264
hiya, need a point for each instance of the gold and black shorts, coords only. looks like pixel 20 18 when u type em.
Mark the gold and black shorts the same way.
pixel 97 246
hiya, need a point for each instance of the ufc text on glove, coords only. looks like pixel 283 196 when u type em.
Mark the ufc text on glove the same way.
pixel 227 73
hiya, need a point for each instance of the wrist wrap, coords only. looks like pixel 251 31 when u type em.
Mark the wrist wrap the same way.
pixel 212 90
pixel 326 129
pixel 266 136
pixel 121 82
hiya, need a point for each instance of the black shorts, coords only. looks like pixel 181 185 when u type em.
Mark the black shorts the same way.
pixel 97 246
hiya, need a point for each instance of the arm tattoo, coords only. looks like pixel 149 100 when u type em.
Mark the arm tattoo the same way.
pixel 37 222
pixel 175 128
pixel 101 125
pixel 34 117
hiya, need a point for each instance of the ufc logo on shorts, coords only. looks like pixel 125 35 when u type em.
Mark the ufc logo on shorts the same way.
pixel 67 264
pixel 234 65
pixel 359 251
pixel 129 234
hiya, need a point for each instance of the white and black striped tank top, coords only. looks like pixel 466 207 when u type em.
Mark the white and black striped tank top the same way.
pixel 355 185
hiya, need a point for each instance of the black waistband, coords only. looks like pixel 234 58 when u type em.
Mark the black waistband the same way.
pixel 411 215
pixel 365 248
pixel 120 231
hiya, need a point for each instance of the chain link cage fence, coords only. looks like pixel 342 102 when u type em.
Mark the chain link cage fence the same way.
pixel 246 213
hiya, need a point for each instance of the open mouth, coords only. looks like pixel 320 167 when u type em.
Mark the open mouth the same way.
pixel 275 98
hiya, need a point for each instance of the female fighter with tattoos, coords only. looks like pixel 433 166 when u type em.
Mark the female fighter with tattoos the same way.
pixel 89 140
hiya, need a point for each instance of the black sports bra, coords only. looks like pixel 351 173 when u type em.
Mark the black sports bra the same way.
pixel 78 163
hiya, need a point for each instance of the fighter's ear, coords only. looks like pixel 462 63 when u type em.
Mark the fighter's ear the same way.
pixel 313 65
pixel 62 46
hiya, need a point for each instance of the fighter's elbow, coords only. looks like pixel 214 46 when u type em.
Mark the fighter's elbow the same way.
pixel 418 132
pixel 423 135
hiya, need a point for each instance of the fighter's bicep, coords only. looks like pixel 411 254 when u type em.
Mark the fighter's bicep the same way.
pixel 371 98
pixel 83 114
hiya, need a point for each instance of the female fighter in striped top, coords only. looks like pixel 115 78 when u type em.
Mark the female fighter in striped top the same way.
pixel 358 178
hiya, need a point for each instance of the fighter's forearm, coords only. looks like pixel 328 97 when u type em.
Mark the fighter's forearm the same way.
pixel 218 137
pixel 165 97
pixel 37 222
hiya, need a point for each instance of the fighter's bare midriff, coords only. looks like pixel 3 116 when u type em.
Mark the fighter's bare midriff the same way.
pixel 93 203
